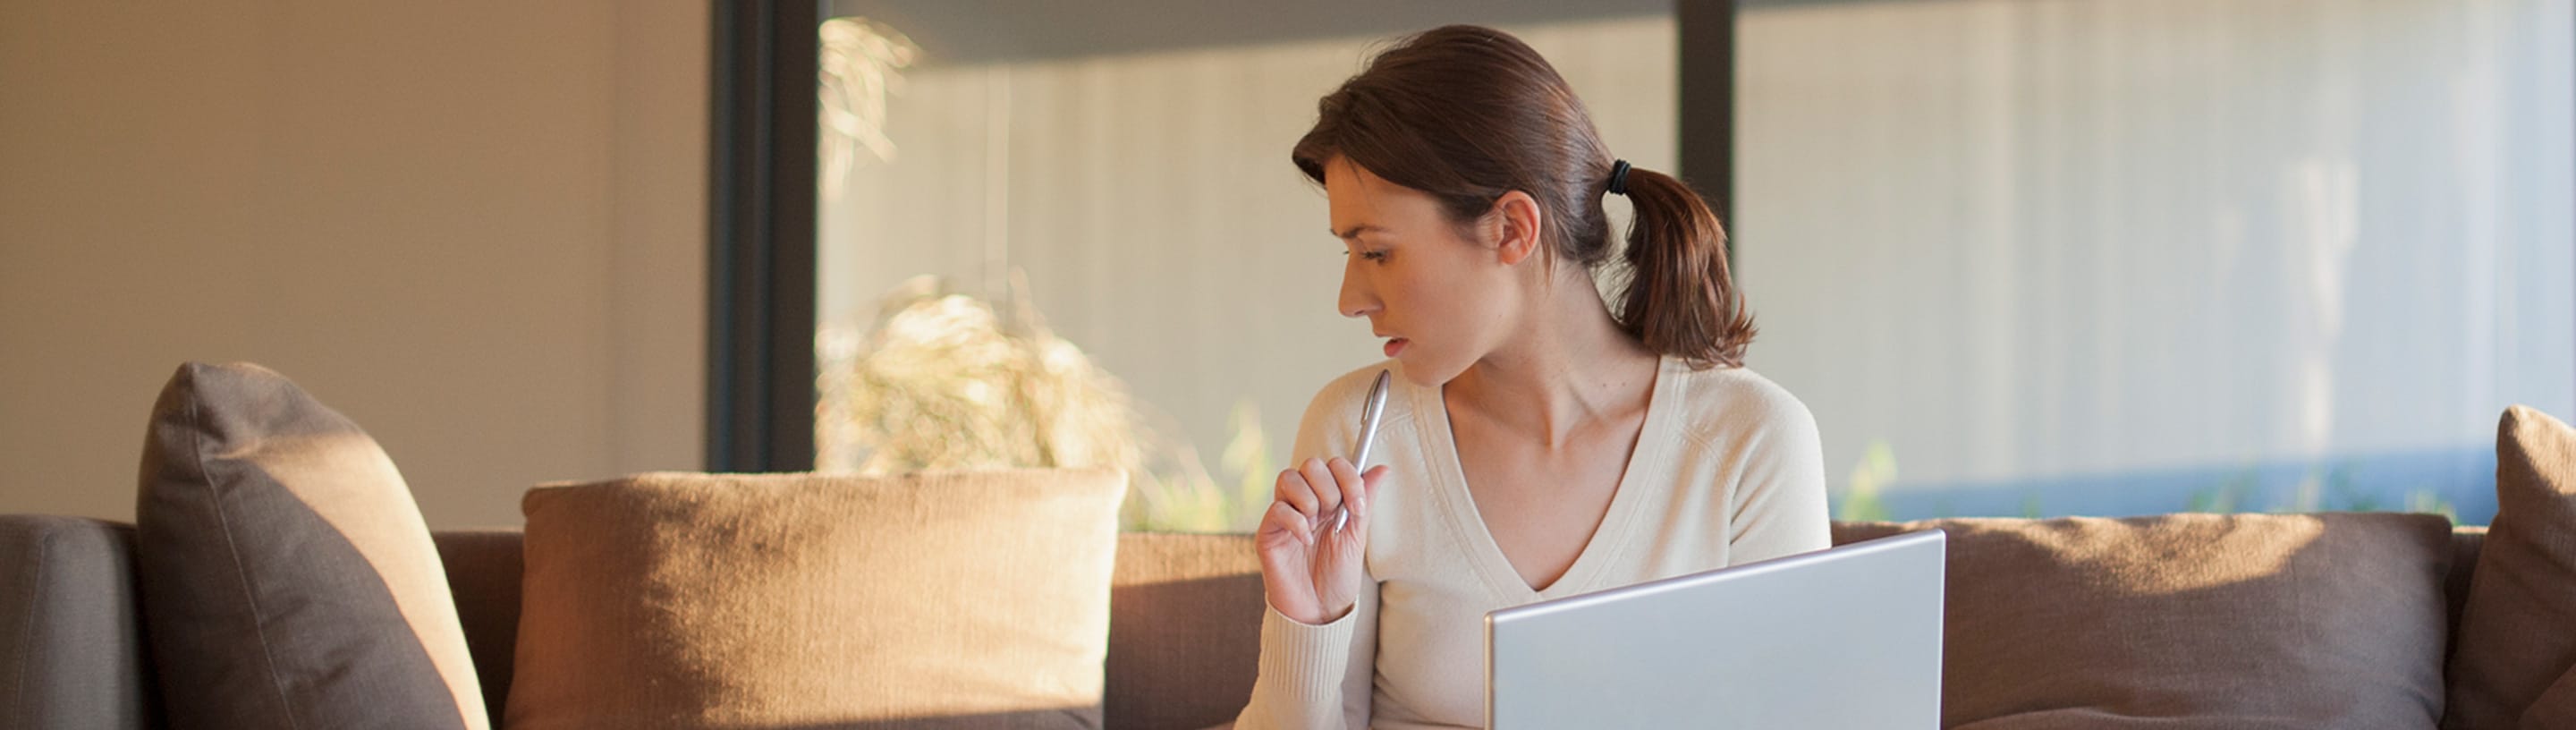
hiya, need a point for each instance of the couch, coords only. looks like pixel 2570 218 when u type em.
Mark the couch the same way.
pixel 293 583
pixel 1183 635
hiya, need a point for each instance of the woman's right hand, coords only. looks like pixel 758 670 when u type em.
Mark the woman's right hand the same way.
pixel 1309 569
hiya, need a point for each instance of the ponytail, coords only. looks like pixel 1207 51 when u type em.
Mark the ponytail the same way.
pixel 1679 299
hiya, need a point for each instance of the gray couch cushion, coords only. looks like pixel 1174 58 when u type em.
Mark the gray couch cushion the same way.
pixel 71 646
pixel 287 578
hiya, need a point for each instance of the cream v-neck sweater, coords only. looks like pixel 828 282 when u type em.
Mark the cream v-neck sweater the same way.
pixel 1727 470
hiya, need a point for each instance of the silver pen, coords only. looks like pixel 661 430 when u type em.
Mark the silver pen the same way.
pixel 1368 436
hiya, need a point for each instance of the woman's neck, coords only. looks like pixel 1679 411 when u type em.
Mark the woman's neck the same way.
pixel 1570 367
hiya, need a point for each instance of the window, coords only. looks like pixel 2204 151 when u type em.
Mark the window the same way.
pixel 1131 205
pixel 2100 257
pixel 2020 257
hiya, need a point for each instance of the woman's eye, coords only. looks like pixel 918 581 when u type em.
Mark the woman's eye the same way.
pixel 1373 255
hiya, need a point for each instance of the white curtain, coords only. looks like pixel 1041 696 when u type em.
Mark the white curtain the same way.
pixel 2119 256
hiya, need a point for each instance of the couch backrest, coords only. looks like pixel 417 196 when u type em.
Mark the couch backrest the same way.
pixel 2464 563
pixel 1184 627
pixel 483 569
pixel 1184 630
pixel 1184 633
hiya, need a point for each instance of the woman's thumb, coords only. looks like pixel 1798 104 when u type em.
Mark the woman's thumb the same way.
pixel 1369 481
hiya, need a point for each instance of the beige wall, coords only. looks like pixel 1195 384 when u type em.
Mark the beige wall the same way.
pixel 477 228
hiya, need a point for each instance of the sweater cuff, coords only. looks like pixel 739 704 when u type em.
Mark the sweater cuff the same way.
pixel 1305 660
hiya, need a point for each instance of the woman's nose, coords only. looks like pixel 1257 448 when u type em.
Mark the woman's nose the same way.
pixel 1356 300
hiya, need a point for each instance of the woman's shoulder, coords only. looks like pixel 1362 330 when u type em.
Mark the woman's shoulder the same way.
pixel 1334 412
pixel 1354 385
pixel 1721 400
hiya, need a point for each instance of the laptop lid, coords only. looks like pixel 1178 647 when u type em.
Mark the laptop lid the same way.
pixel 1848 637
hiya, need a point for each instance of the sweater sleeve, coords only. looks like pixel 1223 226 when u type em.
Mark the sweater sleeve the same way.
pixel 1315 677
pixel 1778 508
pixel 1319 676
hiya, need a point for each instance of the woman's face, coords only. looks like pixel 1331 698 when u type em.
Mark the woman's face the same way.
pixel 1439 298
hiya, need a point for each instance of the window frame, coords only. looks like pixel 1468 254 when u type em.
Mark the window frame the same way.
pixel 760 237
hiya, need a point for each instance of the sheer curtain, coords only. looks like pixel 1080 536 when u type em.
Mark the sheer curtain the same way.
pixel 2095 256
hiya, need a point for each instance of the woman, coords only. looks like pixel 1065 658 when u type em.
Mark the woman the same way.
pixel 1537 442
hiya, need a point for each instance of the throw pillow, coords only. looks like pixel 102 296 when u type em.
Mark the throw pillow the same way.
pixel 2516 647
pixel 2192 620
pixel 935 600
pixel 287 579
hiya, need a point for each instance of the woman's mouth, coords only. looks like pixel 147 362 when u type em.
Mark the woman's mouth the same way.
pixel 1395 345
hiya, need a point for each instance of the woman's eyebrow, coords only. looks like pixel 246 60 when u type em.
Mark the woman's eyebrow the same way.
pixel 1354 231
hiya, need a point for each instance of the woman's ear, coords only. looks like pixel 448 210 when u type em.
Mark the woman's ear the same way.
pixel 1518 219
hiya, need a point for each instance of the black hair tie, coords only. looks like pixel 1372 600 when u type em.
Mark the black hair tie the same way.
pixel 1619 177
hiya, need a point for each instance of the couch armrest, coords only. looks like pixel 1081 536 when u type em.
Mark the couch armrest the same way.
pixel 72 652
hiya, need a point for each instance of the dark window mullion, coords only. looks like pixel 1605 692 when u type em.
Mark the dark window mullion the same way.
pixel 761 204
pixel 1707 29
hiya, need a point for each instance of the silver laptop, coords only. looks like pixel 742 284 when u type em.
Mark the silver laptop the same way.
pixel 1843 638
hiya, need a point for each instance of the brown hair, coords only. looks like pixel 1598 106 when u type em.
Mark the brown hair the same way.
pixel 1467 113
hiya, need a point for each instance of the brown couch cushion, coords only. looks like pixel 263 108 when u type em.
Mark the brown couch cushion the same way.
pixel 2517 639
pixel 1185 630
pixel 287 579
pixel 483 571
pixel 2238 621
pixel 958 599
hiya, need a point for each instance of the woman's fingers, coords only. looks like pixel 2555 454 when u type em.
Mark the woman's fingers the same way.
pixel 1296 493
pixel 1326 487
pixel 1316 487
pixel 1284 518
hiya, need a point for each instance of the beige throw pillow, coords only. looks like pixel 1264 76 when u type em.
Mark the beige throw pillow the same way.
pixel 287 579
pixel 2517 640
pixel 939 600
pixel 2233 621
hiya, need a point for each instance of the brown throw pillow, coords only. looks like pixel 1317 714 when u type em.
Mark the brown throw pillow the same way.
pixel 2235 621
pixel 938 600
pixel 2517 640
pixel 287 580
